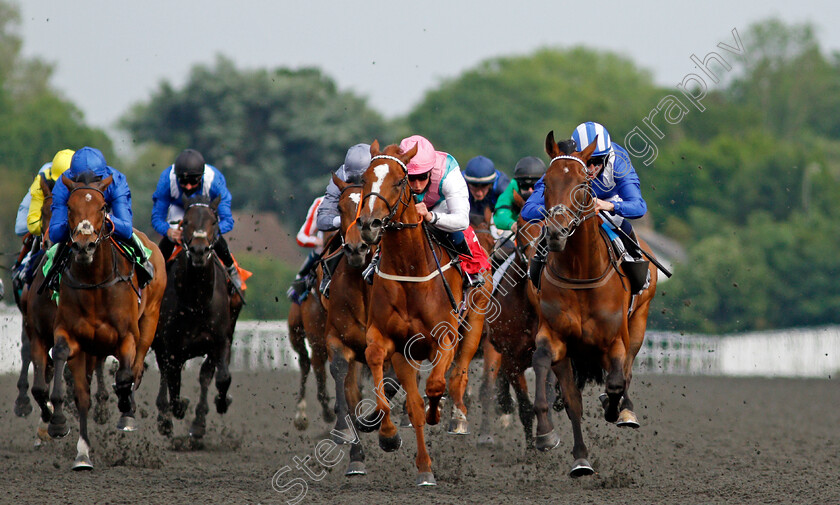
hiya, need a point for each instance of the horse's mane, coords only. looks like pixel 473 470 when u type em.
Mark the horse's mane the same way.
pixel 87 177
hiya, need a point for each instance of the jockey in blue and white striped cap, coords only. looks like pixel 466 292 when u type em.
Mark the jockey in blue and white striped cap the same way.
pixel 616 187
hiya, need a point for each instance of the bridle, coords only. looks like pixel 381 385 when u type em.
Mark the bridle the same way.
pixel 578 215
pixel 201 233
pixel 404 198
pixel 101 234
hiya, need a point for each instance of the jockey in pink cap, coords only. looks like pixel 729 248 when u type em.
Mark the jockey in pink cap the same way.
pixel 442 199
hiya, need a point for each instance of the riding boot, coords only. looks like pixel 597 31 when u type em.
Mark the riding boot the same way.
pixel 235 279
pixel 143 266
pixel 535 267
pixel 324 287
pixel 473 280
pixel 297 291
pixel 52 277
pixel 371 269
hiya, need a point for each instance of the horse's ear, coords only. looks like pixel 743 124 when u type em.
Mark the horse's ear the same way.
pixel 45 188
pixel 338 182
pixel 518 201
pixel 215 203
pixel 69 183
pixel 104 183
pixel 374 148
pixel 406 156
pixel 587 153
pixel 551 147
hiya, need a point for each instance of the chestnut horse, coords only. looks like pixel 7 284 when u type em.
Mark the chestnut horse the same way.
pixel 410 317
pixel 101 312
pixel 197 318
pixel 38 311
pixel 589 323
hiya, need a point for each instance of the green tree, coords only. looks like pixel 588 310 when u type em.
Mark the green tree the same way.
pixel 274 134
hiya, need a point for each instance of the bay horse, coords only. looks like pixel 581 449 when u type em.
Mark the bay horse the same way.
pixel 197 318
pixel 38 311
pixel 589 322
pixel 410 316
pixel 306 324
pixel 101 312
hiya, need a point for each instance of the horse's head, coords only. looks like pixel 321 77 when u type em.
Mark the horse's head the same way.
pixel 86 214
pixel 568 195
pixel 200 229
pixel 386 191
pixel 46 209
pixel 349 203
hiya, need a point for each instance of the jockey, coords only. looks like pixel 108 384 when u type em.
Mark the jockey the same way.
pixel 328 217
pixel 485 184
pixel 442 200
pixel 525 175
pixel 616 187
pixel 117 198
pixel 28 220
pixel 190 176
pixel 307 236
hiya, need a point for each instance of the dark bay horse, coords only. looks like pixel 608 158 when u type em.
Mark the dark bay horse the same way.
pixel 589 324
pixel 410 317
pixel 197 318
pixel 101 312
pixel 39 310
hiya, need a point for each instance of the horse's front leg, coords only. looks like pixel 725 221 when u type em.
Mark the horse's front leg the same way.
pixel 544 355
pixel 339 369
pixel 223 377
pixel 407 376
pixel 205 377
pixel 616 380
pixel 459 375
pixel 124 383
pixel 64 349
pixel 40 386
pixel 22 405
pixel 376 353
pixel 574 409
pixel 82 367
pixel 488 392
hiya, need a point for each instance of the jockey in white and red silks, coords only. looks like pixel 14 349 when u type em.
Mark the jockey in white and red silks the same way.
pixel 442 200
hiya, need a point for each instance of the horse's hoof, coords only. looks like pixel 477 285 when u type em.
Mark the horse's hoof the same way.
pixel 581 468
pixel 486 441
pixel 23 407
pixel 197 430
pixel 369 424
pixel 390 444
pixel 127 423
pixel 164 426
pixel 301 422
pixel 627 419
pixel 179 409
pixel 548 441
pixel 83 462
pixel 426 479
pixel 58 430
pixel 506 421
pixel 405 421
pixel 458 427
pixel 342 436
pixel 223 404
pixel 355 468
pixel 604 399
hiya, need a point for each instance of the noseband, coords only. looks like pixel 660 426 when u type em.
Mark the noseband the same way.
pixel 200 233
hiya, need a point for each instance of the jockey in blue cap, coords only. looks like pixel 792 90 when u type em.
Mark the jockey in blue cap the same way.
pixel 190 176
pixel 616 187
pixel 485 184
pixel 117 198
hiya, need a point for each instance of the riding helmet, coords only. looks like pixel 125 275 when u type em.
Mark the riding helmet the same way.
pixel 529 167
pixel 585 133
pixel 189 162
pixel 480 170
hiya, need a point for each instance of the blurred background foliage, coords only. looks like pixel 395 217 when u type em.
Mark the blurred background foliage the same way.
pixel 749 186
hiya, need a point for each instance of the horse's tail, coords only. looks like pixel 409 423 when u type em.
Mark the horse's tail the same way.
pixel 587 369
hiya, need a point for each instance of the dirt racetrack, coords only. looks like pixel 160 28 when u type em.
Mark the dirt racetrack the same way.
pixel 702 440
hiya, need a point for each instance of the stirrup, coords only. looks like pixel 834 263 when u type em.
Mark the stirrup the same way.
pixel 371 269
pixel 235 279
pixel 473 280
pixel 324 287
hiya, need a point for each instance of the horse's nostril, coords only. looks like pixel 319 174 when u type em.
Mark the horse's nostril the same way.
pixel 376 223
